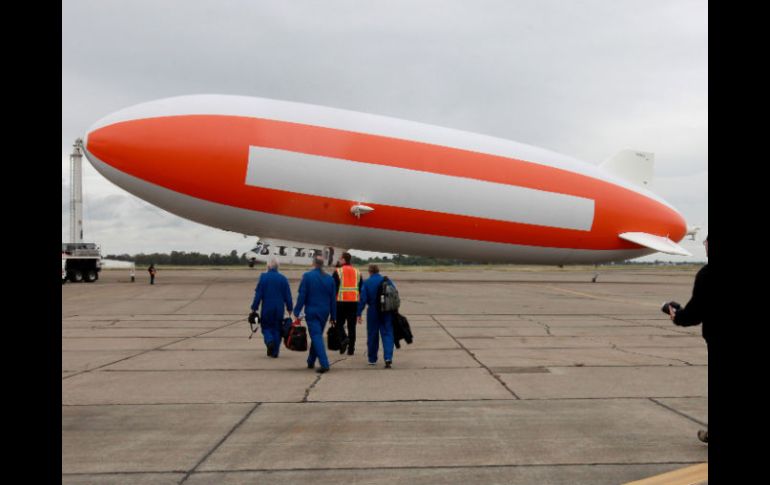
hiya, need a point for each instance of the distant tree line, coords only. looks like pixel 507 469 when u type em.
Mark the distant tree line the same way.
pixel 182 258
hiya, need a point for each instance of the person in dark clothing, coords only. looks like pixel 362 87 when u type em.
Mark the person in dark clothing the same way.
pixel 347 302
pixel 696 312
pixel 274 294
pixel 152 271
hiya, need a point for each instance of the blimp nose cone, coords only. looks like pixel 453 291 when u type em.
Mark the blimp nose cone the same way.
pixel 111 146
pixel 135 140
pixel 117 142
pixel 172 144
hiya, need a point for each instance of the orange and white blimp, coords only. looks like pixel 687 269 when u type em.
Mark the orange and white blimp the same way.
pixel 353 180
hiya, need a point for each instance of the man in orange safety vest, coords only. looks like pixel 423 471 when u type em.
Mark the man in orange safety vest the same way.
pixel 348 280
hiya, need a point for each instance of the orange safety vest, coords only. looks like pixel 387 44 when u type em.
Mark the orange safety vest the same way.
pixel 348 283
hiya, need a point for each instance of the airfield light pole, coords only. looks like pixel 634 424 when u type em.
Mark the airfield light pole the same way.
pixel 76 192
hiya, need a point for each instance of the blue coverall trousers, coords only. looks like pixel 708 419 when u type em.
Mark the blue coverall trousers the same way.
pixel 317 349
pixel 272 333
pixel 379 324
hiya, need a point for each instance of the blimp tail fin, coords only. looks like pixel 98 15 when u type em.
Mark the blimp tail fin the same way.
pixel 631 165
pixel 658 243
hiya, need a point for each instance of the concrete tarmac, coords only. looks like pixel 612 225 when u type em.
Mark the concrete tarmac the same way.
pixel 516 376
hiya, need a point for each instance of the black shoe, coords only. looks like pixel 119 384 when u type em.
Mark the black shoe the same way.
pixel 351 351
pixel 344 346
pixel 270 349
pixel 388 363
pixel 321 370
pixel 310 366
pixel 703 435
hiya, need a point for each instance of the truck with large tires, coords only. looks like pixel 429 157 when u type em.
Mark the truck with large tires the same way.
pixel 80 262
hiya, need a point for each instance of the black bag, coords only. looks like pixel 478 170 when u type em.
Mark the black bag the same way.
pixel 332 338
pixel 297 338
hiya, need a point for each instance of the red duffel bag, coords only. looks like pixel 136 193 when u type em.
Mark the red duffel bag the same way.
pixel 296 339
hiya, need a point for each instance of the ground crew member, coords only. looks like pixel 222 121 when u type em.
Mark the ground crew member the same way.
pixel 348 281
pixel 274 293
pixel 318 297
pixel 151 270
pixel 377 322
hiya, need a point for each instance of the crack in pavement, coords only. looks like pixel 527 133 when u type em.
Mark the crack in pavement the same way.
pixel 385 468
pixel 678 412
pixel 538 322
pixel 205 457
pixel 615 347
pixel 150 350
pixel 473 356
pixel 194 299
pixel 310 388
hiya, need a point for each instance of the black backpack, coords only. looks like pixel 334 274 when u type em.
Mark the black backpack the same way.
pixel 387 296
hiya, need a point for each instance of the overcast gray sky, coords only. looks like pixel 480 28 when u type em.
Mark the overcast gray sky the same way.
pixel 585 78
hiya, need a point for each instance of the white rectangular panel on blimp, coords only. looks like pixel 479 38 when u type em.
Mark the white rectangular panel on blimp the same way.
pixel 378 184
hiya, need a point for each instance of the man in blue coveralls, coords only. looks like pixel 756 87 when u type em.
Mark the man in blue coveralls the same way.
pixel 274 293
pixel 377 322
pixel 318 295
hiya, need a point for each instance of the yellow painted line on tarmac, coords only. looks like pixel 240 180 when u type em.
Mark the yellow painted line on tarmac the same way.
pixel 691 475
pixel 595 297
